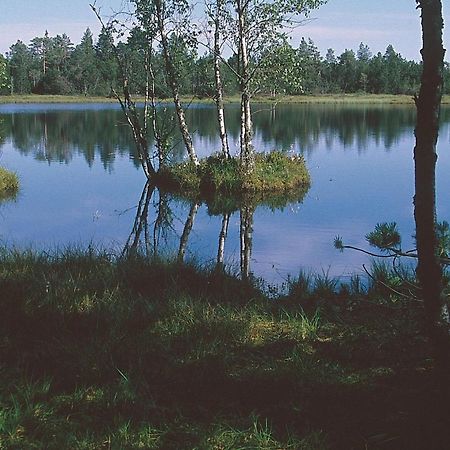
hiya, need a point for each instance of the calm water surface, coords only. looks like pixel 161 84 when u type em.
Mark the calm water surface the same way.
pixel 81 184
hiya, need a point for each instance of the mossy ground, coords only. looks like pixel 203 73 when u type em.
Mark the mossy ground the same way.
pixel 105 353
pixel 9 184
pixel 274 172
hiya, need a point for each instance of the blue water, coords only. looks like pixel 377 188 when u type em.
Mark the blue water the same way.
pixel 80 182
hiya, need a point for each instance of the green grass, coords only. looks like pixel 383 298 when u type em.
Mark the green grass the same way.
pixel 9 184
pixel 323 98
pixel 274 172
pixel 35 98
pixel 125 353
pixel 358 98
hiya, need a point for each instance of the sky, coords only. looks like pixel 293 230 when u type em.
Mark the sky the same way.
pixel 340 24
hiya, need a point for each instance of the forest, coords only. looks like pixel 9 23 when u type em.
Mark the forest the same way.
pixel 55 65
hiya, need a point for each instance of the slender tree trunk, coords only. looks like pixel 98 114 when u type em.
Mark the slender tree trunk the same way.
pixel 222 239
pixel 129 109
pixel 187 231
pixel 247 151
pixel 219 85
pixel 429 270
pixel 246 235
pixel 162 222
pixel 150 101
pixel 140 226
pixel 173 82
pixel 139 133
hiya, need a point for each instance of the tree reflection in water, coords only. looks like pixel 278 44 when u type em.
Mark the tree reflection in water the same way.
pixel 150 237
pixel 59 135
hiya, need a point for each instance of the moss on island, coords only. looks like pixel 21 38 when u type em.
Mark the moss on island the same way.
pixel 9 184
pixel 274 172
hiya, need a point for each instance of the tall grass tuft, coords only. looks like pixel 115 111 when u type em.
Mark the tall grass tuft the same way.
pixel 304 326
pixel 260 436
pixel 324 285
pixel 9 184
pixel 301 287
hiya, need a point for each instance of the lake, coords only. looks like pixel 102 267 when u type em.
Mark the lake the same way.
pixel 81 184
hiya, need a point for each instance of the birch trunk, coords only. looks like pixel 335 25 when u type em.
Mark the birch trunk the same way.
pixel 129 109
pixel 140 226
pixel 247 151
pixel 139 133
pixel 187 231
pixel 222 239
pixel 162 222
pixel 219 86
pixel 170 71
pixel 246 235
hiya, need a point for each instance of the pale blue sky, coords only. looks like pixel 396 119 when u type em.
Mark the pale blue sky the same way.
pixel 339 24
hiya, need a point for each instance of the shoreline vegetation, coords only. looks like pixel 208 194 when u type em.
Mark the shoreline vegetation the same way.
pixel 9 184
pixel 376 99
pixel 101 351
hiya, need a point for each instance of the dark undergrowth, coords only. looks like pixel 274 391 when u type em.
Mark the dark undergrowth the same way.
pixel 105 353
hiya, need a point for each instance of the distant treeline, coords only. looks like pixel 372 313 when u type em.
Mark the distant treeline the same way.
pixel 54 65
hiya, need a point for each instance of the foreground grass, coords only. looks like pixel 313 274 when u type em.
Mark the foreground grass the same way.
pixel 98 352
pixel 9 184
pixel 324 98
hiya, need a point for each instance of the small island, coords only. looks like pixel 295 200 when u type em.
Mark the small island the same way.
pixel 273 172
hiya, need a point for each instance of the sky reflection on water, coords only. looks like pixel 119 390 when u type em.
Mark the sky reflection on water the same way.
pixel 80 182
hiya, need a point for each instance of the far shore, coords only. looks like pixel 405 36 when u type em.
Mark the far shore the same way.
pixel 379 99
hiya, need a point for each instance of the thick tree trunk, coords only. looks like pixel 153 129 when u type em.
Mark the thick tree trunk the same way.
pixel 247 151
pixel 429 270
pixel 170 71
pixel 219 89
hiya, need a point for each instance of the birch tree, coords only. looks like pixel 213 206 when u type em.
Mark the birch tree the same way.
pixel 218 16
pixel 258 25
pixel 172 18
pixel 138 125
